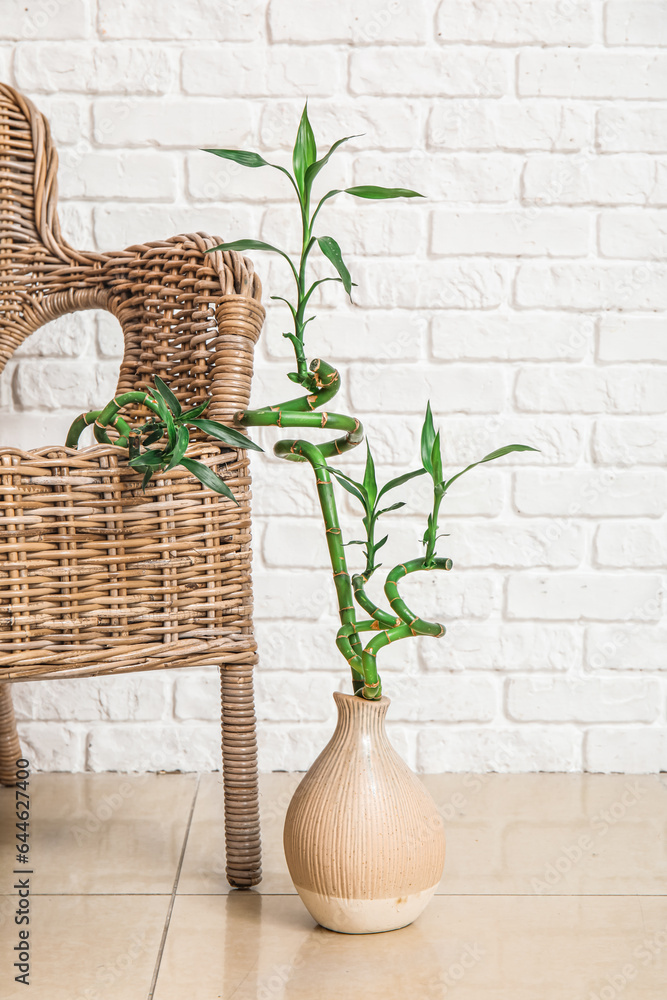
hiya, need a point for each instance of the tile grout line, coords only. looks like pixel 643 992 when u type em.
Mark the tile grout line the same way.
pixel 167 922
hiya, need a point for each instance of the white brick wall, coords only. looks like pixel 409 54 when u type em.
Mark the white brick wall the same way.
pixel 525 296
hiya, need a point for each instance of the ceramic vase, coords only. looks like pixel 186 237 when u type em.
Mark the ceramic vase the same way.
pixel 363 838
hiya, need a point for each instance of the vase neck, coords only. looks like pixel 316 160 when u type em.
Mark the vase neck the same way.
pixel 360 717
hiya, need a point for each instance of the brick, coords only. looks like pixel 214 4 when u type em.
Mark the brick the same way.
pixel 77 223
pixel 466 72
pixel 518 545
pixel 69 121
pixel 434 285
pixel 506 646
pixel 623 646
pixel 121 176
pixel 253 71
pixel 452 699
pixel 65 20
pixel 637 235
pixel 123 226
pixel 138 747
pixel 54 748
pixel 129 697
pixel 386 123
pixel 466 388
pixel 74 385
pixel 657 194
pixel 282 488
pixel 543 22
pixel 567 388
pixel 632 128
pixel 561 699
pixel 537 748
pixel 294 595
pixel 399 230
pixel 632 338
pixel 197 694
pixel 633 543
pixel 588 179
pixel 636 22
pixel 631 751
pixel 452 596
pixel 170 19
pixel 506 125
pixel 109 336
pixel 592 286
pixel 475 177
pixel 288 695
pixel 511 336
pixel 173 122
pixel 583 596
pixel 36 430
pixel 65 337
pixel 295 543
pixel 630 442
pixel 560 441
pixel 378 338
pixel 511 234
pixel 79 66
pixel 568 73
pixel 576 493
pixel 362 22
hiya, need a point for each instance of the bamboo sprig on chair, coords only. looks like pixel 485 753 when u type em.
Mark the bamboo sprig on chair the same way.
pixel 167 420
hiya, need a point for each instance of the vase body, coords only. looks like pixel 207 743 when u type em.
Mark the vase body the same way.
pixel 363 839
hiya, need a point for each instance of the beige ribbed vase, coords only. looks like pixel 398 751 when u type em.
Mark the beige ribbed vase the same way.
pixel 363 839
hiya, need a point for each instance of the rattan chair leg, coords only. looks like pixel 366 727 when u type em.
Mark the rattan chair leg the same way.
pixel 239 764
pixel 10 748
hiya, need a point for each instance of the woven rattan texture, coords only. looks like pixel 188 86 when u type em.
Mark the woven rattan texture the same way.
pixel 97 576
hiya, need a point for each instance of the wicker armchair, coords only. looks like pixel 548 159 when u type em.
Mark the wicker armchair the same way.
pixel 97 577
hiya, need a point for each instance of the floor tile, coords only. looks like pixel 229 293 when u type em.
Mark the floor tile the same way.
pixel 553 833
pixel 86 947
pixel 204 862
pixel 254 947
pixel 101 833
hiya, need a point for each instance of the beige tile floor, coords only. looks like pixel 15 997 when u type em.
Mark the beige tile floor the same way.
pixel 554 889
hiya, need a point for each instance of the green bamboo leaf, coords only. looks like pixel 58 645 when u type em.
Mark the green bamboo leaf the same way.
pixel 394 506
pixel 166 393
pixel 379 544
pixel 180 449
pixel 279 298
pixel 305 150
pixel 240 156
pixel 436 459
pixel 153 437
pixel 151 458
pixel 314 169
pixel 241 245
pixel 226 434
pixel 208 477
pixel 195 411
pixel 498 453
pixel 370 483
pixel 427 439
pixel 394 483
pixel 355 489
pixel 379 193
pixel 148 475
pixel 165 413
pixel 332 251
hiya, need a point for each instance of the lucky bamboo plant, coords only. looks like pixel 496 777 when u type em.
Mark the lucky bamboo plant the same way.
pixel 321 382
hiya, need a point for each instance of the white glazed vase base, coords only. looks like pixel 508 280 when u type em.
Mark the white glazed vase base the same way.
pixel 365 916
pixel 363 838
